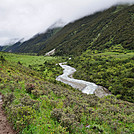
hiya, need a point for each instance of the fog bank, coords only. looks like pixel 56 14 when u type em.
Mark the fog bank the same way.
pixel 25 18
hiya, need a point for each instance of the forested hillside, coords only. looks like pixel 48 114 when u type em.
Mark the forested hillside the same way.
pixel 1 48
pixel 98 31
pixel 33 45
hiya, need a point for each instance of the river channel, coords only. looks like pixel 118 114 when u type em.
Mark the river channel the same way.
pixel 84 86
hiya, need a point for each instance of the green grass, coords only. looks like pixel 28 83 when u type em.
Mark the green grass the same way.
pixel 117 55
pixel 27 60
pixel 36 105
pixel 45 65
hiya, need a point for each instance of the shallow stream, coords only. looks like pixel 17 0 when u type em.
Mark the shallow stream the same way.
pixel 84 86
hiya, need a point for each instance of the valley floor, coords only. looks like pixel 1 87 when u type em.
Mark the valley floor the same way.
pixel 35 103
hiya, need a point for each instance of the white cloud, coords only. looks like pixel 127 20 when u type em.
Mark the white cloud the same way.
pixel 25 18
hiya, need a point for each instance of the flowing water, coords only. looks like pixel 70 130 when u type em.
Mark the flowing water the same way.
pixel 0 98
pixel 84 86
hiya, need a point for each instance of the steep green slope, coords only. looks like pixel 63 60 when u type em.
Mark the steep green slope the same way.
pixel 1 48
pixel 98 31
pixel 33 45
pixel 12 48
pixel 37 106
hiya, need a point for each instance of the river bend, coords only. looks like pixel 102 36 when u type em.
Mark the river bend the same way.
pixel 84 86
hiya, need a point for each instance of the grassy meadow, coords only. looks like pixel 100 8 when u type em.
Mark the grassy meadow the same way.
pixel 36 104
pixel 27 60
pixel 45 65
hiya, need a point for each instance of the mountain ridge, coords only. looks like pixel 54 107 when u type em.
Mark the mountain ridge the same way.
pixel 98 31
pixel 34 44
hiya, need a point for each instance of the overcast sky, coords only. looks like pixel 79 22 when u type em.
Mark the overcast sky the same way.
pixel 25 18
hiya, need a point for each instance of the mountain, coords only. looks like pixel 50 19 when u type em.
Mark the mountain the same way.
pixel 1 48
pixel 99 31
pixel 33 45
pixel 12 48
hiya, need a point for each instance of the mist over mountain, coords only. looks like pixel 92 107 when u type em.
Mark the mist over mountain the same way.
pixel 23 19
pixel 33 45
pixel 98 31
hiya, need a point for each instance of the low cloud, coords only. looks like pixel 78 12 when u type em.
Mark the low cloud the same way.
pixel 25 18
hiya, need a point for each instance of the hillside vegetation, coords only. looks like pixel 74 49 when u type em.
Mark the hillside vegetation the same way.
pixel 99 31
pixel 35 105
pixel 113 70
pixel 44 65
pixel 101 48
pixel 33 45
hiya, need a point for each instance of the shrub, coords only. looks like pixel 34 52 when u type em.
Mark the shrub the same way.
pixel 69 123
pixel 19 63
pixel 21 116
pixel 128 82
pixel 37 93
pixel 8 99
pixel 68 120
pixel 2 59
pixel 97 128
pixel 57 114
pixel 26 101
pixel 29 87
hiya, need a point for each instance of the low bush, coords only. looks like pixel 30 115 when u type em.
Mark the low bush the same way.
pixel 21 116
pixel 29 87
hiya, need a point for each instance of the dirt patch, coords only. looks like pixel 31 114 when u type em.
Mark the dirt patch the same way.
pixel 5 127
